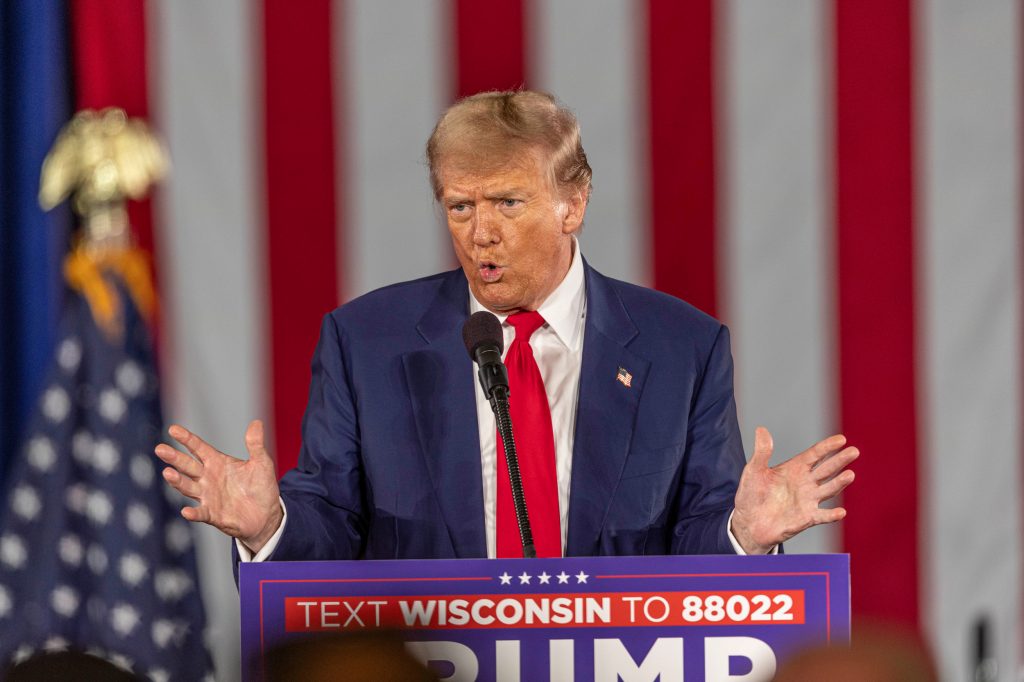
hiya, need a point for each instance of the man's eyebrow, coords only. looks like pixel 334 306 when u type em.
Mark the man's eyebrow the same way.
pixel 503 192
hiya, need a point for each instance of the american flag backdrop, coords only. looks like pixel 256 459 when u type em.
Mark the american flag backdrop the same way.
pixel 837 180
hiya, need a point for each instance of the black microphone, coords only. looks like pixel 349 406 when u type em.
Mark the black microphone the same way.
pixel 482 335
pixel 484 342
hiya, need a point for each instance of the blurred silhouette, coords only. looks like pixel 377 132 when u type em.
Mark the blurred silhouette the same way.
pixel 364 657
pixel 877 654
pixel 61 666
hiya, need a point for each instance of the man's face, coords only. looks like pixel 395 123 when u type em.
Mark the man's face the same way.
pixel 512 231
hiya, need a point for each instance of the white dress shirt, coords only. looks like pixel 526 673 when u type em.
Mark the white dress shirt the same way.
pixel 558 349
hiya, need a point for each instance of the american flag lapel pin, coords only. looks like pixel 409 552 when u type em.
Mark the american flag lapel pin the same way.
pixel 624 377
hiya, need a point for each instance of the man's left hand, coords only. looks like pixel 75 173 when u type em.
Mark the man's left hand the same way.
pixel 775 503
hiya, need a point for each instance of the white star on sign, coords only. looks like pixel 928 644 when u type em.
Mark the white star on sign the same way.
pixel 581 577
pixel 544 578
pixel 563 578
pixel 524 579
pixel 506 579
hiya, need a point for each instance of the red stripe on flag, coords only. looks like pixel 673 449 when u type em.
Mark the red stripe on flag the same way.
pixel 301 220
pixel 109 50
pixel 682 159
pixel 875 223
pixel 490 51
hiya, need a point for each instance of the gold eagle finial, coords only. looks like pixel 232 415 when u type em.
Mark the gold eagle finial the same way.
pixel 101 159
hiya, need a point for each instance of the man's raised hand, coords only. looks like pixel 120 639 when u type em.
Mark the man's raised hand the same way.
pixel 238 497
pixel 775 503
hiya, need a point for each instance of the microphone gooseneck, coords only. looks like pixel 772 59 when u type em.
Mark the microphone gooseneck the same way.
pixel 484 342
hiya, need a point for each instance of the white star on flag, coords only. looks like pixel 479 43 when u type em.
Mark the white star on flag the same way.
pixel 506 579
pixel 563 578
pixel 544 578
pixel 524 579
pixel 581 577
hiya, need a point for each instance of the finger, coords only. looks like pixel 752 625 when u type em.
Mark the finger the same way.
pixel 200 514
pixel 829 490
pixel 829 515
pixel 821 450
pixel 834 464
pixel 193 443
pixel 183 484
pixel 762 448
pixel 188 466
pixel 254 441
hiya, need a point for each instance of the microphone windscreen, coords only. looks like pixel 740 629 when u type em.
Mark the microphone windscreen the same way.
pixel 482 328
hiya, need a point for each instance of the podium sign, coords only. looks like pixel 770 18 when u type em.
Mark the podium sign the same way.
pixel 577 618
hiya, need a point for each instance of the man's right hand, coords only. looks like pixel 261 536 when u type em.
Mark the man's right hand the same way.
pixel 238 497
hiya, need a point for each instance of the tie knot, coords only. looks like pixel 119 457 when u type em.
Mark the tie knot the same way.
pixel 526 323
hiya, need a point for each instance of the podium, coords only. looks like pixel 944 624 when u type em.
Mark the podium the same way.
pixel 577 618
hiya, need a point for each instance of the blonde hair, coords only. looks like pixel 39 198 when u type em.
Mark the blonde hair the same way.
pixel 484 131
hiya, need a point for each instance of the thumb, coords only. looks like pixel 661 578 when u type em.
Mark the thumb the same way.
pixel 254 442
pixel 762 448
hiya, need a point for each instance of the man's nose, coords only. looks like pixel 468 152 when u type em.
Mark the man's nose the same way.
pixel 486 228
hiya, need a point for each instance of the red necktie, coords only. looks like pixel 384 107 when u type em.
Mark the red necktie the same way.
pixel 535 446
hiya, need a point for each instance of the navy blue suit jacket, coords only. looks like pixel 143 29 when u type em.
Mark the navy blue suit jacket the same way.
pixel 390 461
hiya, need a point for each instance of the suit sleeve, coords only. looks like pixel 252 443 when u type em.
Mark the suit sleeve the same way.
pixel 713 460
pixel 326 494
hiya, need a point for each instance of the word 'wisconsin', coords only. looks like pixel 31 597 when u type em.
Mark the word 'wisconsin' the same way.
pixel 545 610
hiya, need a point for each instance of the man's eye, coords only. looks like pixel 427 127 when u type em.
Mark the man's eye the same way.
pixel 510 203
pixel 459 208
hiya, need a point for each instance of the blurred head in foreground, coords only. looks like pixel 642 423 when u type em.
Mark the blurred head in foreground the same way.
pixel 370 657
pixel 875 656
pixel 61 666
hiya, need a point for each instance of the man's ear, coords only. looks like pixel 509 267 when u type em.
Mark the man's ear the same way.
pixel 574 206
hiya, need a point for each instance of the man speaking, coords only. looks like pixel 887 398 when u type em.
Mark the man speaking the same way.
pixel 621 397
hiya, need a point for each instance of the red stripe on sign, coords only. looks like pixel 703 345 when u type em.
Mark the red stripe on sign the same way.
pixel 490 52
pixel 682 159
pixel 875 223
pixel 301 221
pixel 109 48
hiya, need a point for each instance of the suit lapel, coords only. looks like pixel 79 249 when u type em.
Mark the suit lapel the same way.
pixel 441 389
pixel 605 415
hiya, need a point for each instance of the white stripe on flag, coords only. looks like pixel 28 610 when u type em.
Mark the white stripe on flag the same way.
pixel 970 276
pixel 594 69
pixel 211 237
pixel 393 63
pixel 773 82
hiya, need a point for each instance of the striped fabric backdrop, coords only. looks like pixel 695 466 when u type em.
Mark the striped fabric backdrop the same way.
pixel 837 181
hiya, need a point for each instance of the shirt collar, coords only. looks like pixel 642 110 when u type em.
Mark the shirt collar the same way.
pixel 563 309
